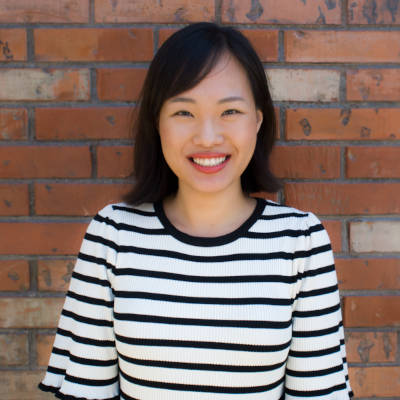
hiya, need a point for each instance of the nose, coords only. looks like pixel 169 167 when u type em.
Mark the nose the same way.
pixel 207 134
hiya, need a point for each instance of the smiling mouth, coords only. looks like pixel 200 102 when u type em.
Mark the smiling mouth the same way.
pixel 209 161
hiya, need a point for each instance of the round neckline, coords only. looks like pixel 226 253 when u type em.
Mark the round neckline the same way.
pixel 208 241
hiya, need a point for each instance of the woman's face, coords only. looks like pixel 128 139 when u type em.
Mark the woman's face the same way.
pixel 208 133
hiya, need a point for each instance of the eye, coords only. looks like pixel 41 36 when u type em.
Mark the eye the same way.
pixel 183 113
pixel 231 111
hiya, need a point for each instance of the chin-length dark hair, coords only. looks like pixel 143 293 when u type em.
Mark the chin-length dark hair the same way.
pixel 183 60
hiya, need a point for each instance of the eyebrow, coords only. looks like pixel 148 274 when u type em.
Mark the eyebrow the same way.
pixel 224 100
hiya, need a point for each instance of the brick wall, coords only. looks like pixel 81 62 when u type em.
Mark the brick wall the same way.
pixel 70 72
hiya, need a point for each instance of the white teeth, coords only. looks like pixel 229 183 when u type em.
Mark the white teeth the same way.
pixel 209 162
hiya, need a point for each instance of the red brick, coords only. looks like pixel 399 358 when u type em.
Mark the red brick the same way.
pixel 54 275
pixel 45 162
pixel 373 12
pixel 281 12
pixel 342 124
pixel 33 84
pixel 171 11
pixel 60 11
pixel 371 346
pixel 12 44
pixel 14 275
pixel 13 349
pixel 23 312
pixel 114 161
pixel 13 123
pixel 375 381
pixel 21 385
pixel 265 42
pixel 373 85
pixel 334 229
pixel 373 162
pixel 44 345
pixel 76 199
pixel 93 44
pixel 164 34
pixel 376 273
pixel 344 198
pixel 341 46
pixel 14 199
pixel 89 123
pixel 369 311
pixel 306 162
pixel 120 84
pixel 44 238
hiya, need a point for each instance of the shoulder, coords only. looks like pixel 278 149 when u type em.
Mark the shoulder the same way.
pixel 288 217
pixel 122 210
pixel 125 216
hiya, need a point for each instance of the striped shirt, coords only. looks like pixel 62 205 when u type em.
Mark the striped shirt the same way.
pixel 155 313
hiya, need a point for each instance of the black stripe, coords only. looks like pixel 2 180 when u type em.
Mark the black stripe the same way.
pixel 86 320
pixel 312 393
pixel 90 300
pixel 56 371
pixel 222 279
pixel 319 271
pixel 318 292
pixel 320 332
pixel 223 258
pixel 316 313
pixel 320 372
pixel 134 211
pixel 85 361
pixel 95 260
pixel 279 216
pixel 90 279
pixel 63 396
pixel 91 382
pixel 84 340
pixel 202 322
pixel 60 352
pixel 99 239
pixel 125 396
pixel 120 226
pixel 211 279
pixel 203 300
pixel 201 388
pixel 202 345
pixel 314 353
pixel 278 234
pixel 202 367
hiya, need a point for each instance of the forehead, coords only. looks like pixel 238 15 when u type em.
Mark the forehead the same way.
pixel 226 80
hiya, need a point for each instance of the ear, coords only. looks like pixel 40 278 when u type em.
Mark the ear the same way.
pixel 259 116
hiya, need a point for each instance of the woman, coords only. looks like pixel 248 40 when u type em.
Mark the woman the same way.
pixel 190 288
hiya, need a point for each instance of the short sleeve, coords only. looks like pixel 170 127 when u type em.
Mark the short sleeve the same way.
pixel 83 363
pixel 316 366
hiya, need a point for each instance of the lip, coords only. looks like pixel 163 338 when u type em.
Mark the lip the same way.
pixel 208 155
pixel 209 169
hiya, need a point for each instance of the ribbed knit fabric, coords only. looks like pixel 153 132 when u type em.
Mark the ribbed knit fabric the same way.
pixel 153 313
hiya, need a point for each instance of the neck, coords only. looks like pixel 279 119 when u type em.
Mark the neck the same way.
pixel 213 214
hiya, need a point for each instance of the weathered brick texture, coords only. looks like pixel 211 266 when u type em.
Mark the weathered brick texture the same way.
pixel 70 79
pixel 44 11
pixel 12 45
pixel 172 11
pixel 281 12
